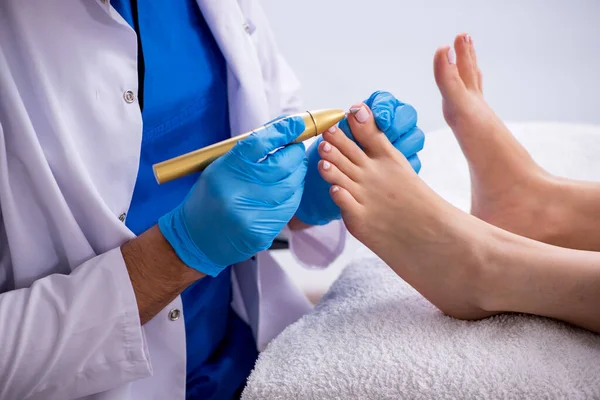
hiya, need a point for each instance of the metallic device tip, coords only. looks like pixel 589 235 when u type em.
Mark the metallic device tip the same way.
pixel 355 110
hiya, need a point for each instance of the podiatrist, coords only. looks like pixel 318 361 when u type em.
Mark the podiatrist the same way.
pixel 115 287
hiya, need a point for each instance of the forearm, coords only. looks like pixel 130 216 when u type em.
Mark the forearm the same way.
pixel 535 278
pixel 157 274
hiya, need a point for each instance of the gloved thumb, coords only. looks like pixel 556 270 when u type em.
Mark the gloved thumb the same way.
pixel 272 137
pixel 392 116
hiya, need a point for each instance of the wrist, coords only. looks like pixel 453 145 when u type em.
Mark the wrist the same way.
pixel 174 229
pixel 157 274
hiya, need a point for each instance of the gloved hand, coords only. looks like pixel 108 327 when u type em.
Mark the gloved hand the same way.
pixel 240 204
pixel 396 119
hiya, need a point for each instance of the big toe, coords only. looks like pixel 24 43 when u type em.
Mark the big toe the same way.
pixel 365 131
pixel 447 75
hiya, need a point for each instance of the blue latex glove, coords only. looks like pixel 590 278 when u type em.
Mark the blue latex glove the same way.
pixel 396 119
pixel 240 204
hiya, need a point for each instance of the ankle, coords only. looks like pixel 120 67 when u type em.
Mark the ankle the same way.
pixel 535 208
pixel 468 274
pixel 570 213
pixel 553 216
pixel 479 268
pixel 495 278
pixel 456 266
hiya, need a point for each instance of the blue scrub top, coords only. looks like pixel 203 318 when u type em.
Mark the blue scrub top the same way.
pixel 185 108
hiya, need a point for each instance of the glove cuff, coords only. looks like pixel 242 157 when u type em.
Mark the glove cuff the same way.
pixel 311 218
pixel 174 229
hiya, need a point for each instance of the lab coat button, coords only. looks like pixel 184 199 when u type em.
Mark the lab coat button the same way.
pixel 129 96
pixel 122 217
pixel 174 314
pixel 247 28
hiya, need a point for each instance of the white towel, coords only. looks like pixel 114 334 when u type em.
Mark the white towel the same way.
pixel 375 337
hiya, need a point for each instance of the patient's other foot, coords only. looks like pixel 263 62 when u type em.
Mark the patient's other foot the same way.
pixel 392 211
pixel 508 187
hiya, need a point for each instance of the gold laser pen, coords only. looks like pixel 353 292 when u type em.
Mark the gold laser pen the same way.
pixel 316 122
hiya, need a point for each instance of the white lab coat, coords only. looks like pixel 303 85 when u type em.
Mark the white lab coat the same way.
pixel 69 154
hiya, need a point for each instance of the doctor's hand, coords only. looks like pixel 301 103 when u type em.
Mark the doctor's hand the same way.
pixel 241 202
pixel 396 119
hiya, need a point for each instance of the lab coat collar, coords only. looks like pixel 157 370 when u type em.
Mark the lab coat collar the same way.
pixel 245 80
pixel 226 22
pixel 228 26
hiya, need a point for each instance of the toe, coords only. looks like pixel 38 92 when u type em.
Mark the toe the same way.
pixel 467 67
pixel 333 175
pixel 344 200
pixel 346 146
pixel 366 132
pixel 333 155
pixel 446 74
pixel 476 65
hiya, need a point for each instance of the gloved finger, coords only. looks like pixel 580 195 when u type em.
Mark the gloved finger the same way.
pixel 415 163
pixel 259 144
pixel 281 164
pixel 383 106
pixel 403 120
pixel 282 116
pixel 392 116
pixel 410 143
pixel 288 188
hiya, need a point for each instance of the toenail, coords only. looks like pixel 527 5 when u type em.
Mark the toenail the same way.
pixel 335 189
pixel 469 39
pixel 331 130
pixel 326 165
pixel 451 56
pixel 361 115
pixel 326 147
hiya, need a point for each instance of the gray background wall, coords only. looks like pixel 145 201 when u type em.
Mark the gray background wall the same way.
pixel 540 58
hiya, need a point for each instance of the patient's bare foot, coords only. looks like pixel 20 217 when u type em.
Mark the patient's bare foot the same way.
pixel 508 187
pixel 392 211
